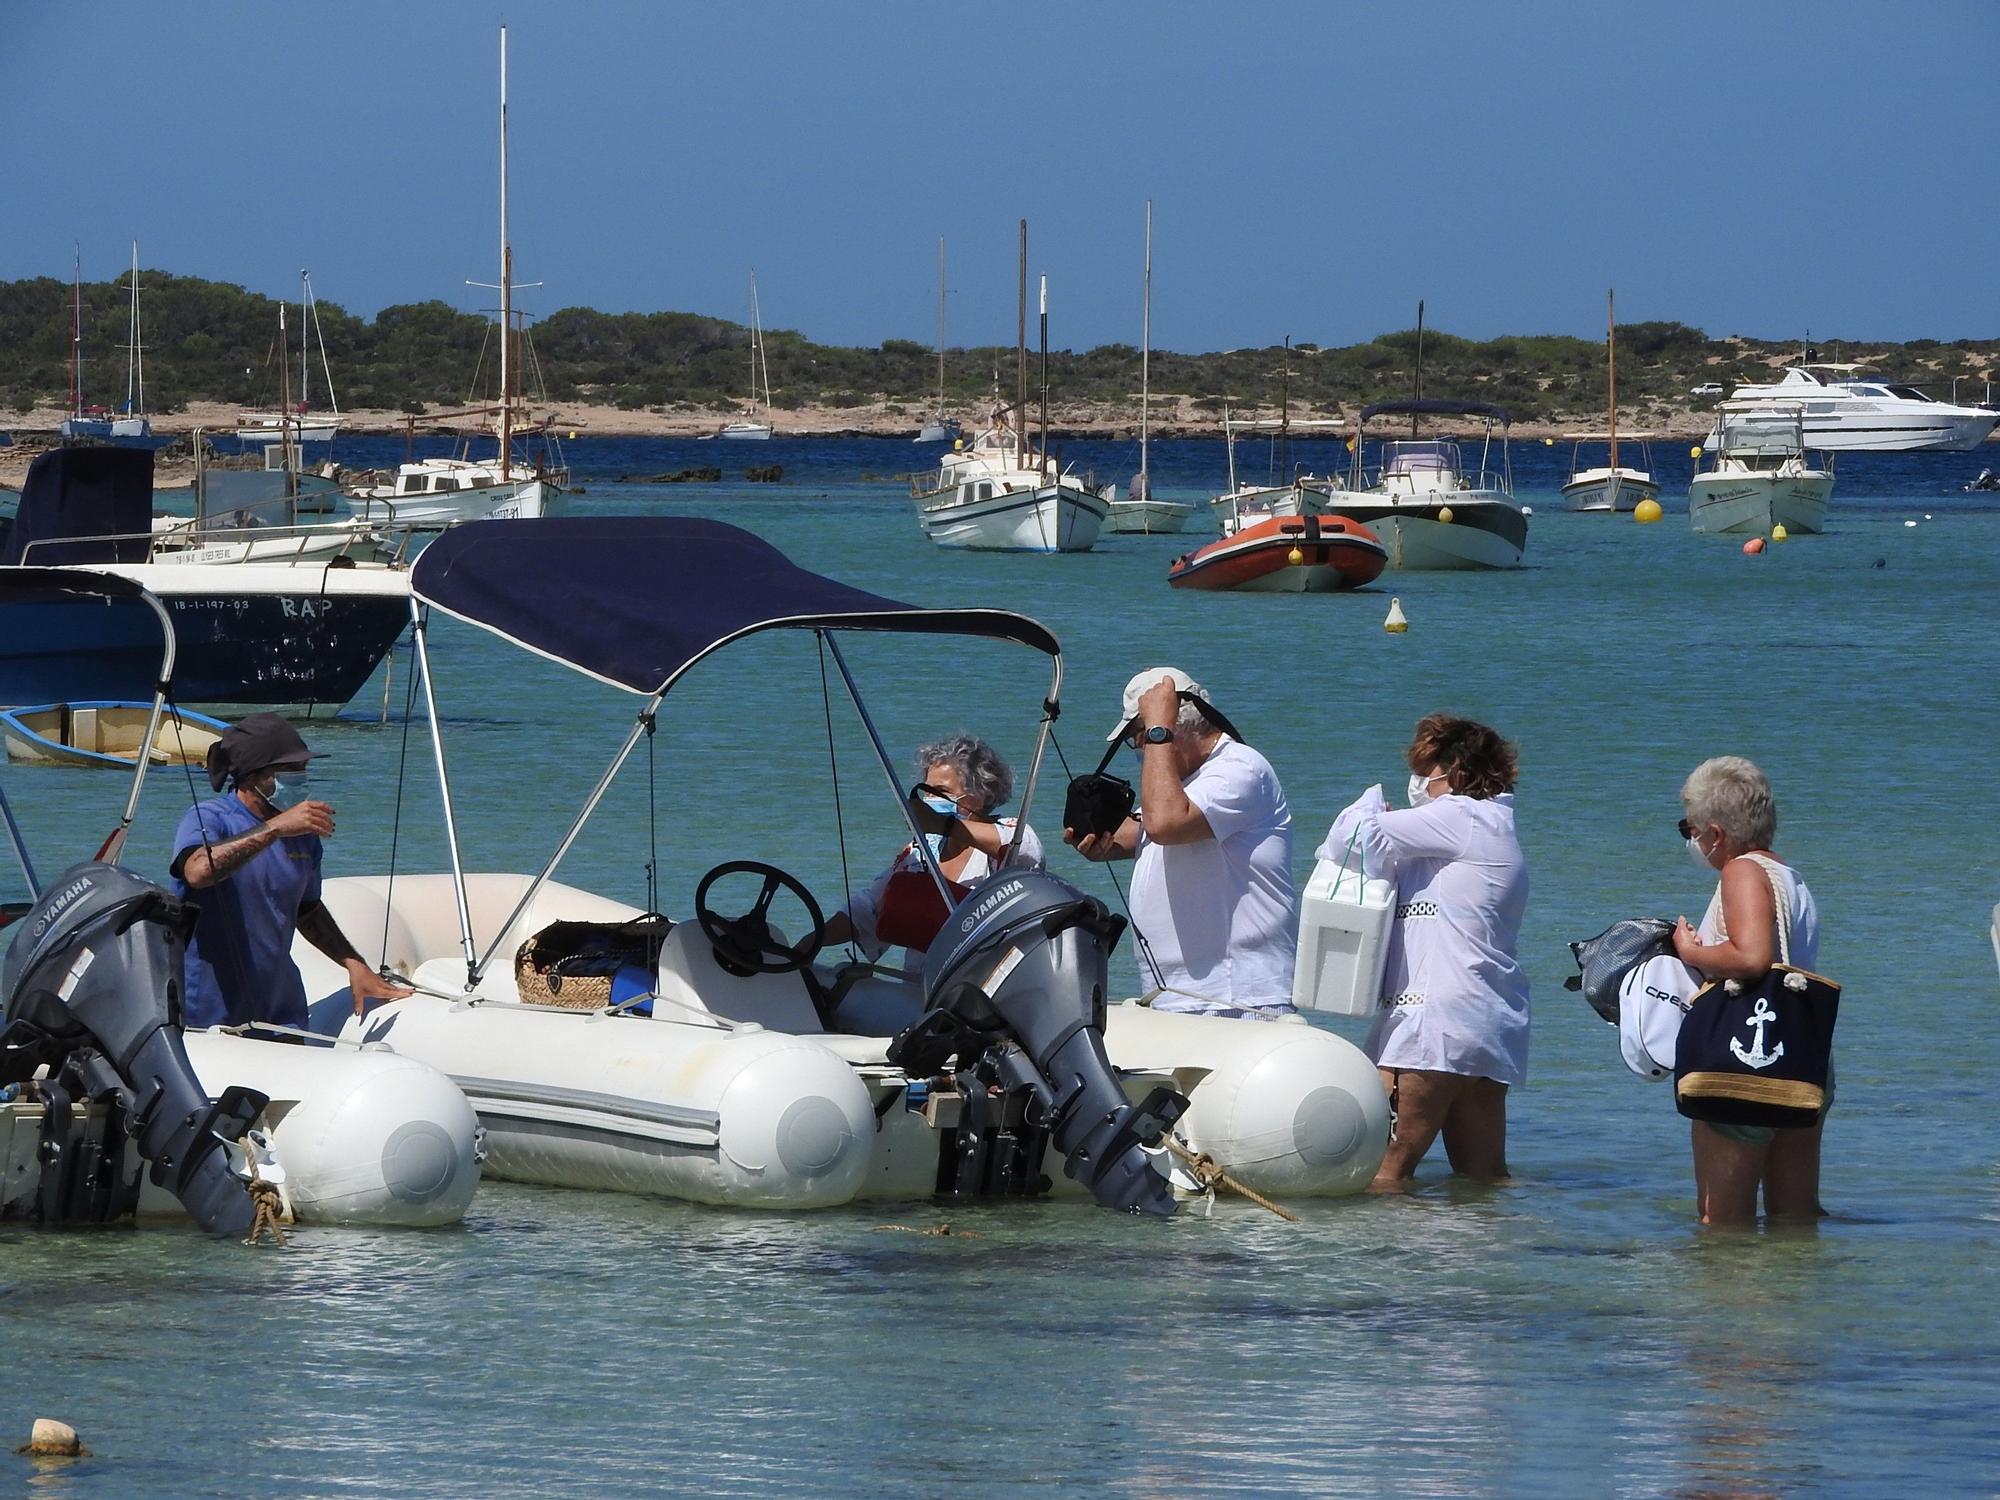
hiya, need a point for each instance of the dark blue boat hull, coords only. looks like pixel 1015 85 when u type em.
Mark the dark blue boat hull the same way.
pixel 233 648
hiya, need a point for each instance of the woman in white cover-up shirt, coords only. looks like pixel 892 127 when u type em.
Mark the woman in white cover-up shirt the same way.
pixel 1452 1033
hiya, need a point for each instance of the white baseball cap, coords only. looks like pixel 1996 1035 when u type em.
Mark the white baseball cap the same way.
pixel 1150 678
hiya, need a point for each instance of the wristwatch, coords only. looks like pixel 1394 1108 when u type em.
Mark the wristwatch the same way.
pixel 1158 734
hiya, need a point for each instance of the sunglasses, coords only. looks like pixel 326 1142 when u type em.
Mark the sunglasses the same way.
pixel 1687 829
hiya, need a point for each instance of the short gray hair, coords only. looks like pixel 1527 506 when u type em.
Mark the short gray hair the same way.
pixel 1735 796
pixel 985 774
pixel 1189 719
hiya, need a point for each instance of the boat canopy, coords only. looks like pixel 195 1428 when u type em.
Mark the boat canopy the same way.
pixel 103 497
pixel 47 585
pixel 634 601
pixel 1436 406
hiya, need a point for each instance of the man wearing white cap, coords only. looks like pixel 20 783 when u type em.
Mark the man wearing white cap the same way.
pixel 1212 891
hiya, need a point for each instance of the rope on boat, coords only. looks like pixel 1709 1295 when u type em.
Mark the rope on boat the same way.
pixel 269 1220
pixel 1208 1172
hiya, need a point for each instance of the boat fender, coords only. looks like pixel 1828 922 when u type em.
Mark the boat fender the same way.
pixel 1444 515
pixel 795 1126
pixel 1756 544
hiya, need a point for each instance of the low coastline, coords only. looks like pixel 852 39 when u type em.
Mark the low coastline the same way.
pixel 1171 418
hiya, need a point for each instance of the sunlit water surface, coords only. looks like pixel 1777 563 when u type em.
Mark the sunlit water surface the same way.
pixel 1574 1334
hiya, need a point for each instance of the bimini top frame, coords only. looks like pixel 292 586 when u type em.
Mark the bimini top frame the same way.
pixel 636 602
pixel 20 585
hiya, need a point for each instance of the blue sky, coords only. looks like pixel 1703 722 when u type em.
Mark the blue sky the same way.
pixel 1315 168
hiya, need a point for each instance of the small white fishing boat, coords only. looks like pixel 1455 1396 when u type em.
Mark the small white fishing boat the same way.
pixel 1760 478
pixel 719 1061
pixel 120 1113
pixel 1432 509
pixel 1610 486
pixel 993 497
pixel 432 493
pixel 99 732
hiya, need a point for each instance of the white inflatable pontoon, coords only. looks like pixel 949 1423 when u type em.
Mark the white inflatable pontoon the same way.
pixel 761 1078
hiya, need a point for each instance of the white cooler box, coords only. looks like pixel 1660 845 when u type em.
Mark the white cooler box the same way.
pixel 1343 941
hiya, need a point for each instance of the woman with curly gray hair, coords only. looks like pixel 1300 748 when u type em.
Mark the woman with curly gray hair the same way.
pixel 962 783
pixel 1730 820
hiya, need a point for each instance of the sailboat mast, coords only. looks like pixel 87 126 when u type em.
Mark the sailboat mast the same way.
pixel 76 340
pixel 1021 353
pixel 1043 457
pixel 1146 359
pixel 305 369
pixel 132 356
pixel 760 368
pixel 506 289
pixel 285 422
pixel 1611 369
pixel 940 401
pixel 1419 391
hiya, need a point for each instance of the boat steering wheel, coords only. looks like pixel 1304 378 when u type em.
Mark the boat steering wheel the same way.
pixel 746 944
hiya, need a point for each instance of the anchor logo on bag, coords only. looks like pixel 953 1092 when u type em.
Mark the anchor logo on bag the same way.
pixel 1761 1016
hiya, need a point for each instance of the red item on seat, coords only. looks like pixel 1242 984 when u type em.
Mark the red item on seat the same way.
pixel 912 912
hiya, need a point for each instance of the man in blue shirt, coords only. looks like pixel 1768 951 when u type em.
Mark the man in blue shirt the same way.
pixel 250 859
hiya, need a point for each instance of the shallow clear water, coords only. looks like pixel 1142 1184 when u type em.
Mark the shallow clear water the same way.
pixel 1575 1334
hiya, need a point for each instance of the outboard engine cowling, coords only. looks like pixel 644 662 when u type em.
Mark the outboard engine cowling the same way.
pixel 91 987
pixel 1014 989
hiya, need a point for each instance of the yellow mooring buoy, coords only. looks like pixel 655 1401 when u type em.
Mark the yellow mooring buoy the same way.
pixel 1778 533
pixel 1396 624
pixel 1647 511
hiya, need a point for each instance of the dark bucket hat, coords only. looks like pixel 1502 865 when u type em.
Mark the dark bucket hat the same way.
pixel 252 743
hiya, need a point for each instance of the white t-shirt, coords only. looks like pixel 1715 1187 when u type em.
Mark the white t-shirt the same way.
pixel 1454 996
pixel 1218 914
pixel 866 908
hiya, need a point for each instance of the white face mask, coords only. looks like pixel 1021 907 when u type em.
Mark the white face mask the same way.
pixel 1696 853
pixel 1420 788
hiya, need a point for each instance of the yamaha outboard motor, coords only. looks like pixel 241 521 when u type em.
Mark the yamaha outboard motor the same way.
pixel 1014 990
pixel 91 988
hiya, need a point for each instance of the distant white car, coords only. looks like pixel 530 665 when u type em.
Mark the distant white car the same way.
pixel 1707 388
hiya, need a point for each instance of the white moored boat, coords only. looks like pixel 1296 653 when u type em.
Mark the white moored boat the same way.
pixel 1428 507
pixel 297 423
pixel 1761 478
pixel 1846 407
pixel 758 1075
pixel 1610 486
pixel 750 427
pixel 1138 511
pixel 992 497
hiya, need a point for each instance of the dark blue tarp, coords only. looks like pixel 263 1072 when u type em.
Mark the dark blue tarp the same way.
pixel 1436 406
pixel 635 600
pixel 90 493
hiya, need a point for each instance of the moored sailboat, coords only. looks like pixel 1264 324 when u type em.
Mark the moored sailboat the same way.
pixel 1137 510
pixel 751 426
pixel 1610 486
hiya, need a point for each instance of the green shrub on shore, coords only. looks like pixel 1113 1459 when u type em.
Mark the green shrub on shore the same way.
pixel 212 341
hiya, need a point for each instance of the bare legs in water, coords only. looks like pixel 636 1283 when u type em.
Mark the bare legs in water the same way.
pixel 1471 1114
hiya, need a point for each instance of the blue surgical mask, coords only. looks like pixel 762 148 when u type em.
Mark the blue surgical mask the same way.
pixel 289 790
pixel 944 807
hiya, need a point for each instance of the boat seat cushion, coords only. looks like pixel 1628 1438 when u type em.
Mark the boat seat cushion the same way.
pixel 690 976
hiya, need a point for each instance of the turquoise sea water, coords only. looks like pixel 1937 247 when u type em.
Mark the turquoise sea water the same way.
pixel 1575 1334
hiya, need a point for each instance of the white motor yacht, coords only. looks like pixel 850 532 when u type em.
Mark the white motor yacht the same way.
pixel 1847 407
pixel 1760 478
pixel 1429 507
